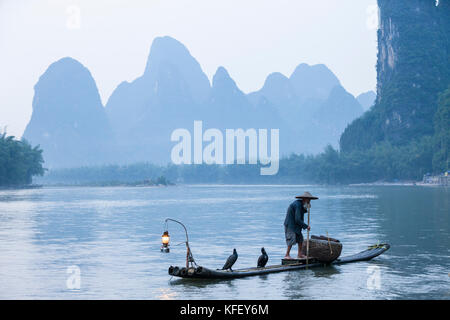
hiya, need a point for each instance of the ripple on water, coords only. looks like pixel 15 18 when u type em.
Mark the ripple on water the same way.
pixel 113 236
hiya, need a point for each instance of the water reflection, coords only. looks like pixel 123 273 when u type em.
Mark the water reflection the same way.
pixel 113 236
pixel 326 272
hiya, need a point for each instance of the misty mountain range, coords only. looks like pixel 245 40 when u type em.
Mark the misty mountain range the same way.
pixel 311 108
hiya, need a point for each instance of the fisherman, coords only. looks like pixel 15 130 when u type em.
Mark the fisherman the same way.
pixel 294 223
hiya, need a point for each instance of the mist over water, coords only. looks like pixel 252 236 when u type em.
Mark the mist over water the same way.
pixel 113 235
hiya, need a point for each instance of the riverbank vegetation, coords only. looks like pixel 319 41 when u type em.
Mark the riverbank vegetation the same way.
pixel 19 162
pixel 139 174
pixel 383 163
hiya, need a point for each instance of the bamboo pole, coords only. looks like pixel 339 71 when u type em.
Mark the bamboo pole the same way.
pixel 307 236
pixel 187 255
pixel 331 250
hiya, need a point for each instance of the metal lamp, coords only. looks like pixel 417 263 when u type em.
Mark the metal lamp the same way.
pixel 166 238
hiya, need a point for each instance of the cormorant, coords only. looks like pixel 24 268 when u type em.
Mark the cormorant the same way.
pixel 230 261
pixel 262 260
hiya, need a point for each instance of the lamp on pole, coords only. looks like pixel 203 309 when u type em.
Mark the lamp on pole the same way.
pixel 166 239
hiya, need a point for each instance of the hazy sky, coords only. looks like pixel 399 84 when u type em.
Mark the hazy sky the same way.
pixel 250 38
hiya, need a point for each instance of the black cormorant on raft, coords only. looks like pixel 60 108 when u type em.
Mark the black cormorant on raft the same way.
pixel 230 261
pixel 296 264
pixel 263 258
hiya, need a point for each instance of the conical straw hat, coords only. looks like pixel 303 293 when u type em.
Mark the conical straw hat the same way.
pixel 307 195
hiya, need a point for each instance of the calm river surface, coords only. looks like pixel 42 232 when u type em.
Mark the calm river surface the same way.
pixel 113 236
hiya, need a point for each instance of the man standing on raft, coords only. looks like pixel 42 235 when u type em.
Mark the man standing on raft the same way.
pixel 294 223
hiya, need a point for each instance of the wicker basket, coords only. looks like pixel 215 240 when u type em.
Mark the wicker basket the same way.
pixel 323 250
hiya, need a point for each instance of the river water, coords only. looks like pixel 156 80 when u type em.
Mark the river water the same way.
pixel 110 237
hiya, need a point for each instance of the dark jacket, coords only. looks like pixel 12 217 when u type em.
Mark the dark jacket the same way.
pixel 294 217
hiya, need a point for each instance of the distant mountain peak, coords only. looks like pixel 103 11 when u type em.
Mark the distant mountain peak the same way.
pixel 63 74
pixel 166 48
pixel 168 54
pixel 68 118
pixel 367 99
pixel 277 88
pixel 340 107
pixel 222 79
pixel 314 81
pixel 64 67
pixel 65 60
pixel 275 79
pixel 304 67
pixel 301 68
pixel 221 71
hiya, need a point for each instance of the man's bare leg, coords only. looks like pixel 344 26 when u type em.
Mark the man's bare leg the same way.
pixel 288 251
pixel 300 255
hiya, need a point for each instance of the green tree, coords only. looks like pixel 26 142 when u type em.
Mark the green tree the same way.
pixel 19 161
pixel 442 133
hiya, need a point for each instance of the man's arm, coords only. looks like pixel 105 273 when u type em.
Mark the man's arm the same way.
pixel 299 218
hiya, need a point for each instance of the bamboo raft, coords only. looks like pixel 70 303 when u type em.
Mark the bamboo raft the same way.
pixel 205 273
